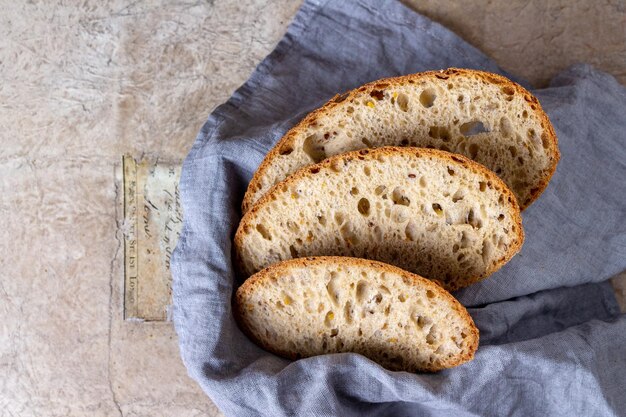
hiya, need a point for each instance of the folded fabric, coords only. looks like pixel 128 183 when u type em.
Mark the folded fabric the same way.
pixel 545 350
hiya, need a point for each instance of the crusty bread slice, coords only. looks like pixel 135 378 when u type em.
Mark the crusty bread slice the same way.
pixel 433 213
pixel 483 116
pixel 312 306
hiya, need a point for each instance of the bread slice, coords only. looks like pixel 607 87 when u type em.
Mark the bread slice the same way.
pixel 311 306
pixel 483 116
pixel 430 212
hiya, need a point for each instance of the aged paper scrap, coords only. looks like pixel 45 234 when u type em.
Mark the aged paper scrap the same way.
pixel 152 219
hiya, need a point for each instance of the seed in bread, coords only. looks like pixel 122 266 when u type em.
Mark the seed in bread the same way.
pixel 430 212
pixel 312 306
pixel 483 116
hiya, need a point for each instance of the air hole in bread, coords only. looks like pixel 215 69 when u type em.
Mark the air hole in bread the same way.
pixel 313 149
pixel 458 195
pixel 472 128
pixel 362 289
pixel 487 251
pixel 321 220
pixel 293 251
pixel 450 86
pixel 473 219
pixel 384 289
pixel 421 321
pixel 399 214
pixel 377 94
pixel 328 320
pixel 354 191
pixel 473 150
pixel 439 132
pixel 286 298
pixel 339 218
pixel 427 97
pixel 450 172
pixel 292 226
pixel 506 128
pixel 364 206
pixel 263 231
pixel 332 288
pixel 460 98
pixel 430 294
pixel 348 234
pixel 366 142
pixel 423 182
pixel 545 141
pixel 367 171
pixel 508 90
pixel 411 231
pixel 286 149
pixel 403 102
pixel 431 338
pixel 465 240
pixel 348 312
pixel 379 190
pixel 378 298
pixel 437 209
pixel 534 139
pixel 398 196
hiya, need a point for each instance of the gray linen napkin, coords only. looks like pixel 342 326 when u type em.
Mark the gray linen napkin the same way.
pixel 552 338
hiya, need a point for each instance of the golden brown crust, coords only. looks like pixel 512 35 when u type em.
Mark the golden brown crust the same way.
pixel 364 154
pixel 288 138
pixel 274 270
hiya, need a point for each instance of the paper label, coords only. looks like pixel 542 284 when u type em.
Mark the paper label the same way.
pixel 152 221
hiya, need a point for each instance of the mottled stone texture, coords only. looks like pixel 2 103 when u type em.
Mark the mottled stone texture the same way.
pixel 85 82
pixel 535 39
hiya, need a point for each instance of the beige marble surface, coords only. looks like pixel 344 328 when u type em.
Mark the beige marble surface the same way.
pixel 84 83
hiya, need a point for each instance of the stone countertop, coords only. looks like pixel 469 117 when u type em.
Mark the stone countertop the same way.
pixel 84 84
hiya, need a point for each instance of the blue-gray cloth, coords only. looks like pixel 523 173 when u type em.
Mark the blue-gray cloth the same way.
pixel 552 339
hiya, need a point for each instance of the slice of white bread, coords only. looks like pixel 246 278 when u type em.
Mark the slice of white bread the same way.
pixel 311 306
pixel 431 212
pixel 481 115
